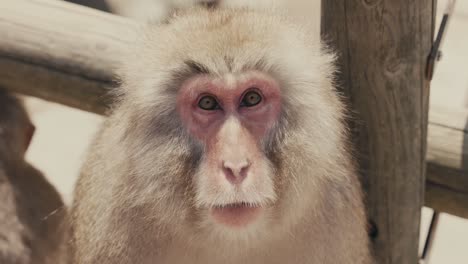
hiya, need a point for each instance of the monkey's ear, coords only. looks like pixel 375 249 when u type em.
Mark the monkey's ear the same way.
pixel 29 135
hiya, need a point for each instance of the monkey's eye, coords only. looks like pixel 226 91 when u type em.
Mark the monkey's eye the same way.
pixel 251 98
pixel 208 103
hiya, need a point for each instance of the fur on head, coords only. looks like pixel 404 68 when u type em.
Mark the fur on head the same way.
pixel 301 155
pixel 158 10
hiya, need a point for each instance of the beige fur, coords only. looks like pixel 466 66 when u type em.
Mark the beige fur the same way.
pixel 137 200
pixel 31 210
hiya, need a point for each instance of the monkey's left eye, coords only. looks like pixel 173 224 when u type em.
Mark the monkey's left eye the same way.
pixel 251 98
pixel 208 103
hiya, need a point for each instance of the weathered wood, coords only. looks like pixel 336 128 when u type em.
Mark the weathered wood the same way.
pixel 447 161
pixel 60 51
pixel 383 46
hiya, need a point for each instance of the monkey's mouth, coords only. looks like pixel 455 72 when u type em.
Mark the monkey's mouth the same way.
pixel 236 214
pixel 235 205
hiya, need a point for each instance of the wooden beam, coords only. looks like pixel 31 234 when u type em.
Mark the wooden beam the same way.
pixel 60 51
pixel 383 47
pixel 447 161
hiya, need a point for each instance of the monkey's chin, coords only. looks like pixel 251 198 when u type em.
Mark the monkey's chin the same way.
pixel 236 215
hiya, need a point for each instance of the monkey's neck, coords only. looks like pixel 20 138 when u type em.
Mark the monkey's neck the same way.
pixel 273 252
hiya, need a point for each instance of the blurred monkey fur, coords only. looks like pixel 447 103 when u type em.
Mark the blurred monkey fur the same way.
pixel 226 144
pixel 31 210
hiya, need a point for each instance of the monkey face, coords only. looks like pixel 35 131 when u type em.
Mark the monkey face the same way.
pixel 238 124
pixel 231 117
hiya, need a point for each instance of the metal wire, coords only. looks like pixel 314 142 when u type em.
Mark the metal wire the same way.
pixel 425 256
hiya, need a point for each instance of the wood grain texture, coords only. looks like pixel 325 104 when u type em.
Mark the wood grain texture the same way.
pixel 60 51
pixel 383 46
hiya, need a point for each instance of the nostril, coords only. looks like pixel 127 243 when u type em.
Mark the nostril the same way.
pixel 236 172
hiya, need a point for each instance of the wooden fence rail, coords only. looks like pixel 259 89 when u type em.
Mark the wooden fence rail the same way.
pixel 61 52
pixel 447 161
pixel 66 54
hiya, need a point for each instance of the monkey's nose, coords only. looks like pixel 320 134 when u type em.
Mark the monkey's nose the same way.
pixel 210 3
pixel 236 172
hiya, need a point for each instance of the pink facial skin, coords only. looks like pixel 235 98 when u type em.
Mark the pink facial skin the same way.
pixel 204 125
pixel 231 134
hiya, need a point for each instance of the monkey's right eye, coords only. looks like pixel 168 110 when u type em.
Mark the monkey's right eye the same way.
pixel 208 103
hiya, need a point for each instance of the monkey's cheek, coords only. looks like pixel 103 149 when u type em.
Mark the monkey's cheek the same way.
pixel 236 216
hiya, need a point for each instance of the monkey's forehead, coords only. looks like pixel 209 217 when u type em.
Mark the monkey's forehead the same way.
pixel 235 22
pixel 243 37
pixel 220 16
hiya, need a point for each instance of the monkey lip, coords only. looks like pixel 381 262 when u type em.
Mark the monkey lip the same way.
pixel 235 214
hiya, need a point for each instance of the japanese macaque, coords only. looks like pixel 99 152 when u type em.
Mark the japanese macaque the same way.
pixel 31 210
pixel 227 144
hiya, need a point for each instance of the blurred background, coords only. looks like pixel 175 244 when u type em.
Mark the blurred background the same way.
pixel 63 133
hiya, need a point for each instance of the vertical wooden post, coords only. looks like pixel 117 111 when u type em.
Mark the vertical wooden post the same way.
pixel 383 47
